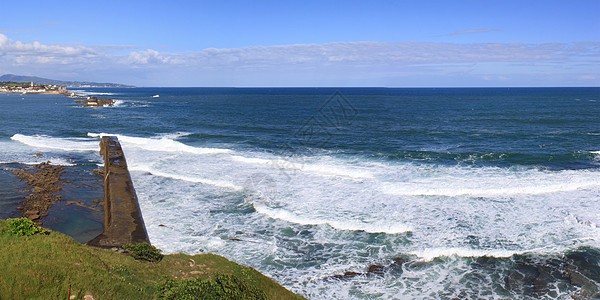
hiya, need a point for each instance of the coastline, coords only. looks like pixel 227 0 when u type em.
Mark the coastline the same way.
pixel 90 101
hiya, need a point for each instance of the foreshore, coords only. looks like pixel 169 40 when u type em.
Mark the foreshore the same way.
pixel 45 181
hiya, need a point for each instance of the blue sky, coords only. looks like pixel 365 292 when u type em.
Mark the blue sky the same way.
pixel 305 43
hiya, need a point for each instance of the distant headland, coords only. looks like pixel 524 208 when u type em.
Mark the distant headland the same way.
pixel 37 85
pixel 68 84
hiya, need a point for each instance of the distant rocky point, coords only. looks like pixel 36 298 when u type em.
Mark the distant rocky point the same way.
pixel 72 84
pixel 94 101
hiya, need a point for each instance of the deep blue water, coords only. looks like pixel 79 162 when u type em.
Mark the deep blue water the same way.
pixel 321 181
pixel 552 127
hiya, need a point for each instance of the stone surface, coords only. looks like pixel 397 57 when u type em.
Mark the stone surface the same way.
pixel 123 221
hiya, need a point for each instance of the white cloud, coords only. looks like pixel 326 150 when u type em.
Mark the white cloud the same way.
pixel 352 63
pixel 371 53
pixel 10 47
pixel 148 57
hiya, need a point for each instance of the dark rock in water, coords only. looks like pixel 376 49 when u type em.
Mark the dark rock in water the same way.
pixel 376 270
pixel 396 266
pixel 521 279
pixel 542 276
pixel 347 275
pixel 94 101
pixel 583 270
pixel 418 265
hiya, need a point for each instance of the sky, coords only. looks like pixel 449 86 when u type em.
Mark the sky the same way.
pixel 305 43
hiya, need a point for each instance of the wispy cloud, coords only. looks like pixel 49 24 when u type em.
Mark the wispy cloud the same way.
pixel 370 53
pixel 471 31
pixel 17 49
pixel 351 63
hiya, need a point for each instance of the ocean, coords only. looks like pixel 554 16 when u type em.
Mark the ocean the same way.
pixel 343 193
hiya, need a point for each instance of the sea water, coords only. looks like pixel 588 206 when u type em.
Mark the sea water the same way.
pixel 481 192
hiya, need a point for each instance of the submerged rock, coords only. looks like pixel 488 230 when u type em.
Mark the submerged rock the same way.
pixel 373 270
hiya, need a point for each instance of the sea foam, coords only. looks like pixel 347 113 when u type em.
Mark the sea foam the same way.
pixel 65 144
pixel 163 144
pixel 381 226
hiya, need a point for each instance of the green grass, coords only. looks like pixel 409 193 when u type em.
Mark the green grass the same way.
pixel 44 266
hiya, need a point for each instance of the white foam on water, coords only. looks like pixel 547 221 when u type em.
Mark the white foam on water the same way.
pixel 162 144
pixel 560 246
pixel 174 135
pixel 91 93
pixel 377 227
pixel 429 254
pixel 490 182
pixel 217 183
pixel 299 164
pixel 118 103
pixel 65 144
pixel 56 161
pixel 493 204
pixel 327 214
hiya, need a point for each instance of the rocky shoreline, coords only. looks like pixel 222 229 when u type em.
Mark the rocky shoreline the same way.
pixel 45 181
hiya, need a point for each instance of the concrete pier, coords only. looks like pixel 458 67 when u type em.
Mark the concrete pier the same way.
pixel 123 221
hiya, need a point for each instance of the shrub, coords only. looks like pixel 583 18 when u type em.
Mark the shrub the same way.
pixel 221 287
pixel 144 251
pixel 24 227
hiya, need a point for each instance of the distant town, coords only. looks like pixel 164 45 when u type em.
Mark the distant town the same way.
pixel 38 88
pixel 32 88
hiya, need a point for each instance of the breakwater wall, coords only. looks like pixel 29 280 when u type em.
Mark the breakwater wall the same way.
pixel 123 221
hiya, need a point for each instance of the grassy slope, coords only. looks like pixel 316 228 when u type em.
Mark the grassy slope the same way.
pixel 43 267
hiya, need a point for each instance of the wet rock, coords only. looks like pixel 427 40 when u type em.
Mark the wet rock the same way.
pixel 396 266
pixel 347 275
pixel 94 101
pixel 376 270
pixel 582 270
pixel 418 265
pixel 44 180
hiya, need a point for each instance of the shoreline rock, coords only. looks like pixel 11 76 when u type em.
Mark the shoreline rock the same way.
pixel 94 101
pixel 45 181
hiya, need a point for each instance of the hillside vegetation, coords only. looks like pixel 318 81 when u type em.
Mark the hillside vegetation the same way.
pixel 51 265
